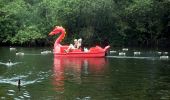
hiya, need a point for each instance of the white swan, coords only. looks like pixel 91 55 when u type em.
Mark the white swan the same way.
pixel 125 49
pixel 45 52
pixel 113 51
pixel 165 53
pixel 136 53
pixel 159 53
pixel 122 53
pixel 19 53
pixel 164 57
pixel 12 49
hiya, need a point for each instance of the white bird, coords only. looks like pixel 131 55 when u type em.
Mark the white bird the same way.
pixel 164 57
pixel 19 53
pixel 12 49
pixel 45 52
pixel 136 53
pixel 113 51
pixel 125 49
pixel 165 53
pixel 122 53
pixel 159 52
pixel 48 51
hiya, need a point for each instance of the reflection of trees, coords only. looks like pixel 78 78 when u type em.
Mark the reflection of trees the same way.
pixel 160 88
pixel 139 79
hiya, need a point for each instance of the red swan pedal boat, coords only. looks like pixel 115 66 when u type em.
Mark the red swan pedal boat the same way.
pixel 59 50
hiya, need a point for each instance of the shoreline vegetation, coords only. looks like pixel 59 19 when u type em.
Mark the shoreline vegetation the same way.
pixel 118 23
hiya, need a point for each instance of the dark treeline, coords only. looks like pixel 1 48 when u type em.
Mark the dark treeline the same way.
pixel 114 22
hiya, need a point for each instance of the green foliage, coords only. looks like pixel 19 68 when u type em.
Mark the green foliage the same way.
pixel 8 26
pixel 114 22
pixel 27 34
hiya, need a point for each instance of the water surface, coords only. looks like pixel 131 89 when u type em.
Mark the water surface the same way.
pixel 43 77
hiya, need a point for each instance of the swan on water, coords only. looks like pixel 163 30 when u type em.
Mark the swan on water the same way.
pixel 46 52
pixel 113 51
pixel 165 53
pixel 20 53
pixel 137 53
pixel 164 57
pixel 12 49
pixel 125 49
pixel 159 52
pixel 122 53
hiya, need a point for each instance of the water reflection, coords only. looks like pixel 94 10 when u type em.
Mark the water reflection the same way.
pixel 73 69
pixel 9 64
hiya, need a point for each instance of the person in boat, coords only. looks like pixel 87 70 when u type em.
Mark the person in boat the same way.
pixel 71 46
pixel 79 43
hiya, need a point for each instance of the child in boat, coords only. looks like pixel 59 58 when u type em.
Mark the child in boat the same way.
pixel 71 46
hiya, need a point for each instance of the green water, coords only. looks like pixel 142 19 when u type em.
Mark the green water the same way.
pixel 43 77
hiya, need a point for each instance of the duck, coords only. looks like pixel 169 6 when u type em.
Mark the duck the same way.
pixel 9 63
pixel 19 84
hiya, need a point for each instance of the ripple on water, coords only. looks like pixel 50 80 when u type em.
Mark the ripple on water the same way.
pixel 27 95
pixel 87 98
pixel 24 96
pixel 11 91
pixel 21 97
pixel 132 57
pixel 16 99
pixel 24 82
pixel 84 98
pixel 14 80
pixel 10 94
pixel 8 81
pixel 9 64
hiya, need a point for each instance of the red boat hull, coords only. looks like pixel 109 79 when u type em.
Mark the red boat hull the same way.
pixel 82 54
pixel 93 52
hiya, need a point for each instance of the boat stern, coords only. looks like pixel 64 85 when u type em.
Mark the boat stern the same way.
pixel 106 48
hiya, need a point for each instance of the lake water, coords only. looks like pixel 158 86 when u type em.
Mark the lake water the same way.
pixel 43 77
